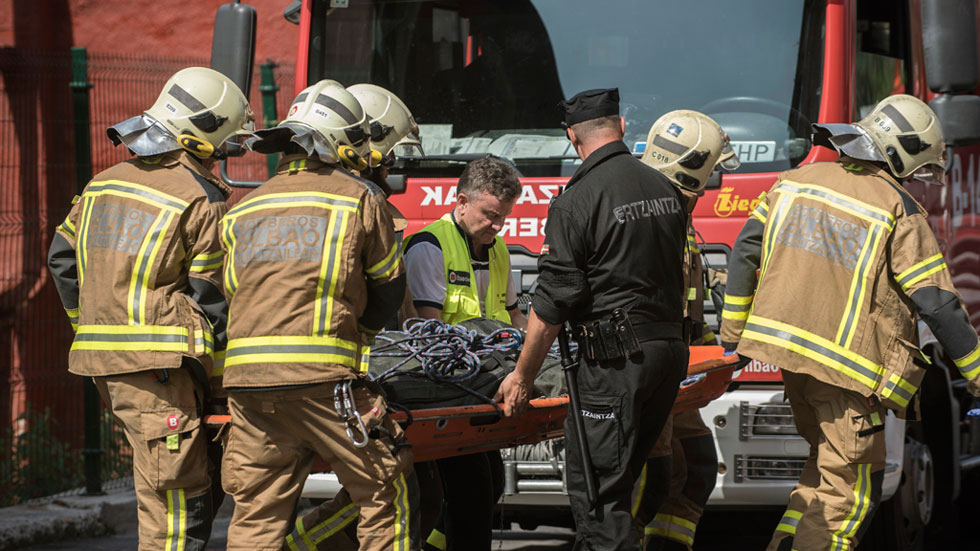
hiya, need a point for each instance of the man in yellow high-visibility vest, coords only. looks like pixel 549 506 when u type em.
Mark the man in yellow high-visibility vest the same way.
pixel 459 269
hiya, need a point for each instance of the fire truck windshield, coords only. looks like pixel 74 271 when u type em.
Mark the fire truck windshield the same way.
pixel 486 76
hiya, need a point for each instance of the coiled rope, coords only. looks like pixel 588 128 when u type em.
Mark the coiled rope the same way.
pixel 447 353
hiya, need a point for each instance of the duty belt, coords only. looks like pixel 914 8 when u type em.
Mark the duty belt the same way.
pixel 609 338
pixel 618 336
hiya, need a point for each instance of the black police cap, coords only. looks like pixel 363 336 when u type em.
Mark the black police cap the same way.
pixel 591 104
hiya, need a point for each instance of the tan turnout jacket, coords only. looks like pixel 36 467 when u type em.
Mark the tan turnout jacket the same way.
pixel 138 244
pixel 825 278
pixel 302 252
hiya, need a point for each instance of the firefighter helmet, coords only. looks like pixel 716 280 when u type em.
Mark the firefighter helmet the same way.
pixel 907 133
pixel 686 146
pixel 199 109
pixel 391 122
pixel 202 108
pixel 324 120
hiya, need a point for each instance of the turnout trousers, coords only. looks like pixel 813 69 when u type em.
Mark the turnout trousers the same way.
pixel 625 405
pixel 275 435
pixel 671 523
pixel 840 486
pixel 160 412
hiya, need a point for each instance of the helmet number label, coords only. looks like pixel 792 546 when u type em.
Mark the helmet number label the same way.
pixel 170 107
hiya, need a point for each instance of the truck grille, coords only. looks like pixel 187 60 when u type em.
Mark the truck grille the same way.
pixel 769 420
pixel 768 468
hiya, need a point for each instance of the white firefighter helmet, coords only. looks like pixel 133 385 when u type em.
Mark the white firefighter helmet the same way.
pixel 199 109
pixel 686 146
pixel 391 121
pixel 901 131
pixel 325 120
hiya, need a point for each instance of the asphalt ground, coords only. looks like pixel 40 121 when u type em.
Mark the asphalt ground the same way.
pixel 720 530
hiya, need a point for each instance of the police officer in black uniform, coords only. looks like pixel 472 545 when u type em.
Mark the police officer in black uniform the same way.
pixel 611 266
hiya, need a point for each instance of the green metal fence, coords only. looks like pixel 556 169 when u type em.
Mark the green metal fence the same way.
pixel 44 422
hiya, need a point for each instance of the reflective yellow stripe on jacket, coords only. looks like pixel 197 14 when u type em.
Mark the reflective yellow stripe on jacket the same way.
pixel 969 365
pixel 816 348
pixel 291 349
pixel 737 308
pixel 131 337
pixel 207 262
pixel 920 271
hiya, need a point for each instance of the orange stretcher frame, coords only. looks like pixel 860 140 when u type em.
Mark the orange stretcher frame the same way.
pixel 446 432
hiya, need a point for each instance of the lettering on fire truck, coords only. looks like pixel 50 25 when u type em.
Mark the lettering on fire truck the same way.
pixel 729 203
pixel 514 226
pixel 532 195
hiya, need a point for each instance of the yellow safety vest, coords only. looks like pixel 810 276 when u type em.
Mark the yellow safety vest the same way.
pixel 462 302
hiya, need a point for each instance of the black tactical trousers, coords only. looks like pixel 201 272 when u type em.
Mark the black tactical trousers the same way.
pixel 625 404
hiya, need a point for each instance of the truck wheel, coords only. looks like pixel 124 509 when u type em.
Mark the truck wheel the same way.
pixel 900 523
pixel 918 485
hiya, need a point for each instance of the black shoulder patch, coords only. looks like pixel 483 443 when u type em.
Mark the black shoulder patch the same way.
pixel 422 237
pixel 908 202
pixel 371 186
pixel 212 191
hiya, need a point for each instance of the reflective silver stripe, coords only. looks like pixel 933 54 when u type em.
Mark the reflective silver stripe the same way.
pixel 903 124
pixel 838 201
pixel 128 337
pixel 81 245
pixel 334 523
pixel 790 521
pixel 230 242
pixel 894 388
pixel 292 199
pixel 337 107
pixel 391 262
pixel 205 261
pixel 737 307
pixel 782 335
pixel 338 224
pixel 966 369
pixel 287 349
pixel 176 527
pixel 782 206
pixel 99 186
pixel 67 229
pixel 862 501
pixel 183 96
pixel 668 145
pixel 402 514
pixel 870 246
pixel 143 264
pixel 910 276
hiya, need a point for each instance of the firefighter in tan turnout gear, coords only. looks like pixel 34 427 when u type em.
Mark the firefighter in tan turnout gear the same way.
pixel 686 146
pixel 847 236
pixel 391 125
pixel 313 270
pixel 137 263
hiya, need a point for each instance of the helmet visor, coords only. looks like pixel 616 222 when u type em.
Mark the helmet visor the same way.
pixel 729 160
pixel 930 174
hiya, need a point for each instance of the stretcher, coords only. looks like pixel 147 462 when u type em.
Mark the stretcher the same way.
pixel 446 432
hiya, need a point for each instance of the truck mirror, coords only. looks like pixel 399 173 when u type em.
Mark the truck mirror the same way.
pixel 949 40
pixel 233 45
pixel 960 117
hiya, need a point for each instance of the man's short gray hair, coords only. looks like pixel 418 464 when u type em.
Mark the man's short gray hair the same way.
pixel 490 175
